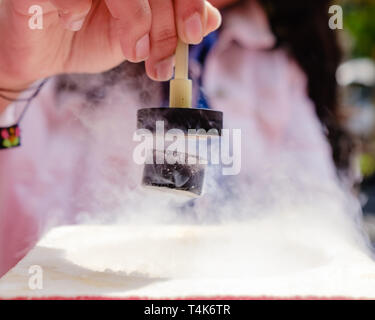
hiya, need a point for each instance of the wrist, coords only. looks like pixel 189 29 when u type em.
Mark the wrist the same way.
pixel 9 94
pixel 4 103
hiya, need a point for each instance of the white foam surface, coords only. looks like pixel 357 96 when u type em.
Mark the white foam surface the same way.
pixel 168 261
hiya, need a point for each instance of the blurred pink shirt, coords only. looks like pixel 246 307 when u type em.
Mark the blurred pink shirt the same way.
pixel 261 91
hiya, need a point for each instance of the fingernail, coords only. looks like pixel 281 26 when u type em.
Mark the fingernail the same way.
pixel 63 13
pixel 142 48
pixel 164 69
pixel 75 25
pixel 194 28
pixel 73 22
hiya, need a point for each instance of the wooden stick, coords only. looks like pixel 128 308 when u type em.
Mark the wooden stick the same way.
pixel 181 87
pixel 182 61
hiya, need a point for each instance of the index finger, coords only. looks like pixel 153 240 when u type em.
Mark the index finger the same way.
pixel 133 22
pixel 190 17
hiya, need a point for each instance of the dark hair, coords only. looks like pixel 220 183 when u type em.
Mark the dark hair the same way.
pixel 302 28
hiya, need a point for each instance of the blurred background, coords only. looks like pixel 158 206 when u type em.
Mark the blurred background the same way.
pixel 356 77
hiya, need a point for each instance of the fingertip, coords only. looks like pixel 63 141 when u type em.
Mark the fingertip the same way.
pixel 193 29
pixel 214 18
pixel 142 48
pixel 160 70
pixel 138 52
pixel 191 20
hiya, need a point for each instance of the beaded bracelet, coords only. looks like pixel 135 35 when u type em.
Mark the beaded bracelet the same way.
pixel 10 137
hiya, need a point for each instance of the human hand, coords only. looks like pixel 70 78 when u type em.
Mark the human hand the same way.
pixel 90 36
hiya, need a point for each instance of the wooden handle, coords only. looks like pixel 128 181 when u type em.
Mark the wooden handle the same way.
pixel 182 61
pixel 181 90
